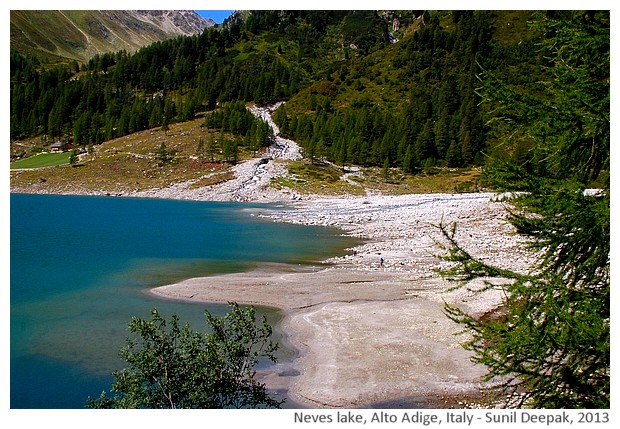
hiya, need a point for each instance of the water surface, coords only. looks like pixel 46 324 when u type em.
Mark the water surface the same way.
pixel 80 265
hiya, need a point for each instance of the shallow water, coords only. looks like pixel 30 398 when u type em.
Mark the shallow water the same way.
pixel 80 265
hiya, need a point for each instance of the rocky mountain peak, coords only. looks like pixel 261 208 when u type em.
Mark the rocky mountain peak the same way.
pixel 185 22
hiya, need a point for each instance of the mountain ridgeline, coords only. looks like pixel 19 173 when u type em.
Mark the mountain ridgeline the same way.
pixel 372 88
pixel 77 35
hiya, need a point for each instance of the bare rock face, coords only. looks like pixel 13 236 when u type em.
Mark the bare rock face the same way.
pixel 183 22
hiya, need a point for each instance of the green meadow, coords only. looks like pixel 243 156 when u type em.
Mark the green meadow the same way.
pixel 43 160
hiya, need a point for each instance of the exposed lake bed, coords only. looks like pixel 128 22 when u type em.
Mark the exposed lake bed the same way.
pixel 373 332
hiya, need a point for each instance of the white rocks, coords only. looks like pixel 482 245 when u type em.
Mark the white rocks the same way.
pixel 404 229
pixel 252 177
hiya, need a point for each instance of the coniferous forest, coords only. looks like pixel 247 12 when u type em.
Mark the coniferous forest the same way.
pixel 364 88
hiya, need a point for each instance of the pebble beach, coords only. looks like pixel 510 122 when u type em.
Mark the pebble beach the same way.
pixel 373 334
pixel 369 326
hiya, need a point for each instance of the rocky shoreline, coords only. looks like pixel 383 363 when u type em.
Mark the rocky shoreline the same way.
pixel 372 333
pixel 370 326
pixel 369 334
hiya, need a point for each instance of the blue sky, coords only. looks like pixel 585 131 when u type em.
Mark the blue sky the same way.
pixel 217 15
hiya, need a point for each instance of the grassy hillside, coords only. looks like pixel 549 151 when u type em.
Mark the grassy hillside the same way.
pixel 42 160
pixel 130 164
pixel 392 92
pixel 126 164
pixel 60 36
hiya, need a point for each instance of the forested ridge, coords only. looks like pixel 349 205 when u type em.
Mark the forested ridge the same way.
pixel 369 88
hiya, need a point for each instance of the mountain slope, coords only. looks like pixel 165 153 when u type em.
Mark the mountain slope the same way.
pixel 376 89
pixel 57 36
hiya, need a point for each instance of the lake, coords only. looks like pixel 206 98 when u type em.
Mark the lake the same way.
pixel 80 265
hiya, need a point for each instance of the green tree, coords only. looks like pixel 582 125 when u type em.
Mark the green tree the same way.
pixel 230 151
pixel 163 155
pixel 164 126
pixel 258 135
pixel 73 157
pixel 386 170
pixel 210 148
pixel 173 366
pixel 454 157
pixel 200 147
pixel 156 116
pixel 549 347
pixel 54 123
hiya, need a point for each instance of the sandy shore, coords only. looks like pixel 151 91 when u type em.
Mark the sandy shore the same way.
pixel 371 335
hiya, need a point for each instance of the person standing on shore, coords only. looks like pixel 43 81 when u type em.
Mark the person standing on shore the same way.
pixel 381 261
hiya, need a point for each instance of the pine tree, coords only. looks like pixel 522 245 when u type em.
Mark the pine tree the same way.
pixel 73 157
pixel 164 125
pixel 163 155
pixel 551 346
pixel 454 156
pixel 200 147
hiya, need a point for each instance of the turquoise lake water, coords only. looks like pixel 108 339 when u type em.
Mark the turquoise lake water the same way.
pixel 79 266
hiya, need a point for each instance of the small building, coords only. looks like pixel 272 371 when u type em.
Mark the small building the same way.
pixel 61 146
